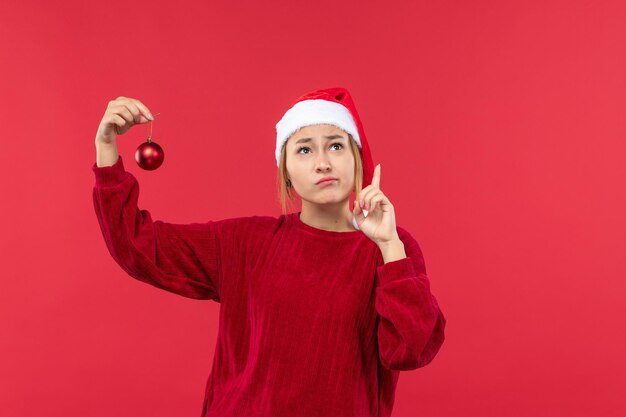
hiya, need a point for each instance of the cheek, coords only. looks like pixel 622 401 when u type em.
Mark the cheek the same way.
pixel 296 172
pixel 290 166
pixel 348 169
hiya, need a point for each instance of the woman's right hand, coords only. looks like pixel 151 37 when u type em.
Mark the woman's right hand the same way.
pixel 121 114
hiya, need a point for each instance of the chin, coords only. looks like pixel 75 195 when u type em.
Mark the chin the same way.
pixel 335 199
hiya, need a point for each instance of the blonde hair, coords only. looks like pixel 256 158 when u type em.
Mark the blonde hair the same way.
pixel 286 196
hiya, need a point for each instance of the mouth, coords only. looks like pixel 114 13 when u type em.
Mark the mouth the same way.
pixel 327 178
pixel 325 182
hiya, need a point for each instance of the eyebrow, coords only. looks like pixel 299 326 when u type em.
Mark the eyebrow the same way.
pixel 325 137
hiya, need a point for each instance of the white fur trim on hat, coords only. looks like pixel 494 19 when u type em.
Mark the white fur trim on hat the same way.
pixel 313 112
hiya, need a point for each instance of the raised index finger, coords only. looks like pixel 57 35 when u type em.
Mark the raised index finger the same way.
pixel 376 177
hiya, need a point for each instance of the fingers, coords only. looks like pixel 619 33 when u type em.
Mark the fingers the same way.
pixel 121 114
pixel 367 193
pixel 125 113
pixel 358 210
pixel 367 198
pixel 144 110
pixel 375 185
pixel 119 123
pixel 376 201
pixel 139 111
pixel 363 194
pixel 138 117
pixel 376 177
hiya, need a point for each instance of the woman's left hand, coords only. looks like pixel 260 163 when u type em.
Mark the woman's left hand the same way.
pixel 380 223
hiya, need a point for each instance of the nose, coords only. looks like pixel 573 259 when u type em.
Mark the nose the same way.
pixel 322 165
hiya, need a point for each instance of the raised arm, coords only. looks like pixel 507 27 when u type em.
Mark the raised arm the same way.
pixel 180 258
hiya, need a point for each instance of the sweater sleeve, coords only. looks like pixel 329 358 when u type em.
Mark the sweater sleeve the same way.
pixel 179 258
pixel 411 326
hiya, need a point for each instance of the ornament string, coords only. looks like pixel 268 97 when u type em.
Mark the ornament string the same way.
pixel 152 121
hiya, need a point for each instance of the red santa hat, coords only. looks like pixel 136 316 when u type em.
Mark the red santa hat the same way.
pixel 326 106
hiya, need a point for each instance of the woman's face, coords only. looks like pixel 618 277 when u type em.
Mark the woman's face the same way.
pixel 319 151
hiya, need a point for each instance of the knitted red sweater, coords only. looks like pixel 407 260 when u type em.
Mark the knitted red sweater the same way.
pixel 312 322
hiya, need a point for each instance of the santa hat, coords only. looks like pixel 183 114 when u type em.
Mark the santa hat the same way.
pixel 332 106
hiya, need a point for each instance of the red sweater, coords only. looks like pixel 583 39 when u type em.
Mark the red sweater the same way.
pixel 312 322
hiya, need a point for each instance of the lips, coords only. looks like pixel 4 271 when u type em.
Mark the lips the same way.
pixel 326 179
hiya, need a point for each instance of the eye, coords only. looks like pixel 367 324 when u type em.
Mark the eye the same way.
pixel 306 147
pixel 301 148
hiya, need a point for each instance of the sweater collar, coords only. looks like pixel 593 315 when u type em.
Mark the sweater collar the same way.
pixel 295 218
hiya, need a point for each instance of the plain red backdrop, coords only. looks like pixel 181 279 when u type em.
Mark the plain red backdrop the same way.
pixel 499 127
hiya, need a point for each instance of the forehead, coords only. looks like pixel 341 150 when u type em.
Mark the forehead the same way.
pixel 317 131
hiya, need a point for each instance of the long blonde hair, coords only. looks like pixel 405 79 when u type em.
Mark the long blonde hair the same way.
pixel 286 196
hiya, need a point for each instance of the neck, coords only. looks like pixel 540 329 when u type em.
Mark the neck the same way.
pixel 331 217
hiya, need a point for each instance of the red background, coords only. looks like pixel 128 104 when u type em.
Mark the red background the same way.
pixel 499 127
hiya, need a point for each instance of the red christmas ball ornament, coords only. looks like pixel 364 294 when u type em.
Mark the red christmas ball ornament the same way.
pixel 149 155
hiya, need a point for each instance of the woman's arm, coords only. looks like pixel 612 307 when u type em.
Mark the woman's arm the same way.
pixel 411 327
pixel 180 258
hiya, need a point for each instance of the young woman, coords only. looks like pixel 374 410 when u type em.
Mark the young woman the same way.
pixel 320 308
